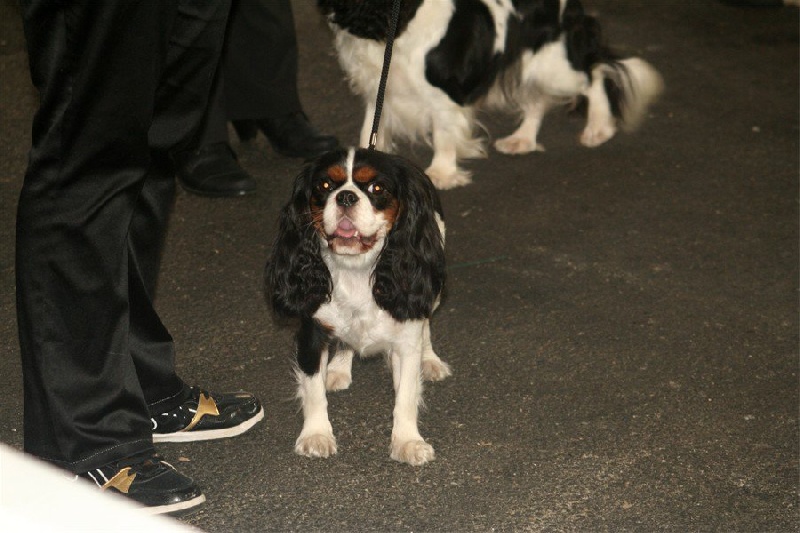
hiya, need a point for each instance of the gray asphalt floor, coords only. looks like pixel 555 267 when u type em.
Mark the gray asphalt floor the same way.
pixel 622 321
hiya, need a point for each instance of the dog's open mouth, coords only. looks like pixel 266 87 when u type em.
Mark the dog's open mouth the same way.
pixel 347 235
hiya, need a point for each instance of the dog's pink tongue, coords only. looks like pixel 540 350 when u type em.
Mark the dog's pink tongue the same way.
pixel 345 229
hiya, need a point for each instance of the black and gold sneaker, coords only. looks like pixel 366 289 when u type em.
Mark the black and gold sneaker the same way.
pixel 149 481
pixel 206 416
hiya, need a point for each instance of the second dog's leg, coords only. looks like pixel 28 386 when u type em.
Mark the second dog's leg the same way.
pixel 452 138
pixel 443 171
pixel 523 140
pixel 600 122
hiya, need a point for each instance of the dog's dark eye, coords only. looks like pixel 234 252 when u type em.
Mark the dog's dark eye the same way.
pixel 376 189
pixel 324 186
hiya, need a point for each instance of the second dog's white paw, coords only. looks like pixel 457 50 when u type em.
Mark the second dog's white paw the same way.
pixel 517 145
pixel 316 445
pixel 413 452
pixel 335 381
pixel 448 179
pixel 435 369
pixel 595 135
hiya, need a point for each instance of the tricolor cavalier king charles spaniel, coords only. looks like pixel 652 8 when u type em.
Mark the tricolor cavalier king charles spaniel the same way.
pixel 451 57
pixel 359 259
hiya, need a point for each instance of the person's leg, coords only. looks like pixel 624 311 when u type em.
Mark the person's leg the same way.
pixel 122 84
pixel 215 122
pixel 192 54
pixel 256 88
pixel 96 67
pixel 259 61
pixel 178 412
pixel 210 167
pixel 259 65
pixel 92 214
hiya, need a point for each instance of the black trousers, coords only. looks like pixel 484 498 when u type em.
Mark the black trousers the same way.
pixel 257 76
pixel 122 84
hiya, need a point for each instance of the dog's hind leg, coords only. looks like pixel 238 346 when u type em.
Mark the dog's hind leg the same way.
pixel 633 84
pixel 433 368
pixel 523 140
pixel 408 446
pixel 340 370
pixel 316 438
pixel 600 122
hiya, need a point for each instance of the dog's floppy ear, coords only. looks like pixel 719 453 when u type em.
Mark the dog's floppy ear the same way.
pixel 410 271
pixel 297 280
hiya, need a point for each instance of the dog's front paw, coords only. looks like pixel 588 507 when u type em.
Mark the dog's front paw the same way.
pixel 595 135
pixel 434 369
pixel 413 452
pixel 448 178
pixel 317 445
pixel 512 145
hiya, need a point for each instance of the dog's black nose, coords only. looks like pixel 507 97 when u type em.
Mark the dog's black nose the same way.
pixel 346 198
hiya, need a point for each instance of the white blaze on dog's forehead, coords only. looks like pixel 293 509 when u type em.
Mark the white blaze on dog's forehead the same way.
pixel 351 157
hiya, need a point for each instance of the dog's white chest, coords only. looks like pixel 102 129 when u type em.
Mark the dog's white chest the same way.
pixel 355 317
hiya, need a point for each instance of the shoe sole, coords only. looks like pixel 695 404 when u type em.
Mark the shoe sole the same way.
pixel 209 434
pixel 177 509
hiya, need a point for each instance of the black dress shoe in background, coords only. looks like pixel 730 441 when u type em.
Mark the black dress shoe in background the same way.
pixel 213 171
pixel 291 135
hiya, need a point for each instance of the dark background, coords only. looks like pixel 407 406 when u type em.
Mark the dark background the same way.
pixel 622 321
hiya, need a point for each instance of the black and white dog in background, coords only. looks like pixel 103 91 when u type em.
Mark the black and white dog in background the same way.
pixel 452 56
pixel 359 259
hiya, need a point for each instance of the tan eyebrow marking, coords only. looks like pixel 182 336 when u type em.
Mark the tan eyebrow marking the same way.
pixel 364 174
pixel 337 173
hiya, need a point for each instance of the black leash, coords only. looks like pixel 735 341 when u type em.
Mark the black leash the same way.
pixel 387 59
